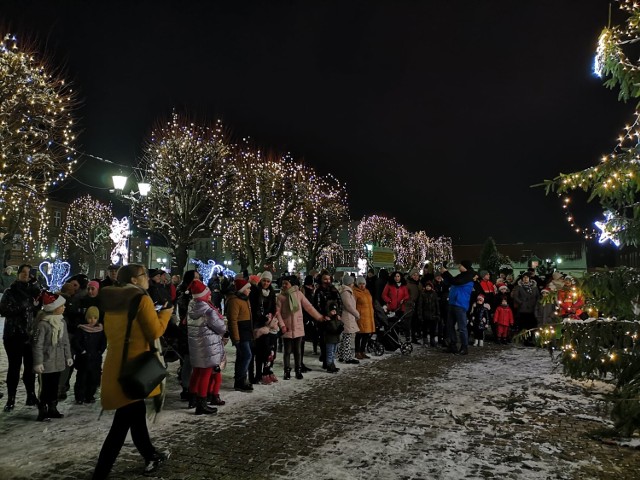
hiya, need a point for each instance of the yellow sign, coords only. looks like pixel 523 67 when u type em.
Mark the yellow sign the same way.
pixel 383 256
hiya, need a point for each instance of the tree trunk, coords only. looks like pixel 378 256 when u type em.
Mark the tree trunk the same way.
pixel 182 255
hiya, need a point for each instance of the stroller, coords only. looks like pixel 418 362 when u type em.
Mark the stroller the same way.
pixel 391 332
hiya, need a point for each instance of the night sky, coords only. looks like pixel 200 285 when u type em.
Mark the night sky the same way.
pixel 441 114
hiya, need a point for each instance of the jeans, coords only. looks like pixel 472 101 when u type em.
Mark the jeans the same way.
pixel 457 315
pixel 331 352
pixel 243 360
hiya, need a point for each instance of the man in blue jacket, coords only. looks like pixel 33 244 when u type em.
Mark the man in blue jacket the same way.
pixel 461 287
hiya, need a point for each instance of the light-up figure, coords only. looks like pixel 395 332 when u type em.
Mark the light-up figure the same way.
pixel 55 274
pixel 120 235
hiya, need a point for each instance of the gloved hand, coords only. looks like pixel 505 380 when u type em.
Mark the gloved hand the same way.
pixel 38 368
pixel 69 362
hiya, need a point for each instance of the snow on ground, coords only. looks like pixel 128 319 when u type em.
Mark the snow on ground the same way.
pixel 460 426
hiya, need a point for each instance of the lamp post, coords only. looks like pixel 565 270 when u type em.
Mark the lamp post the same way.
pixel 121 238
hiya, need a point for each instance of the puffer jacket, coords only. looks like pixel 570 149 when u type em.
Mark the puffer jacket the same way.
pixel 53 357
pixel 364 305
pixel 148 325
pixel 17 306
pixel 395 297
pixel 429 305
pixel 206 327
pixel 350 314
pixel 294 320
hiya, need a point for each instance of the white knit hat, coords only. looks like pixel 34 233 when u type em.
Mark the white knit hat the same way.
pixel 266 274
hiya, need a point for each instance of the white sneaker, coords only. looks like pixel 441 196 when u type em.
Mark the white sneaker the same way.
pixel 481 343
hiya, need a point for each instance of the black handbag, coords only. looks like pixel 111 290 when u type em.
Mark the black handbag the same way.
pixel 140 375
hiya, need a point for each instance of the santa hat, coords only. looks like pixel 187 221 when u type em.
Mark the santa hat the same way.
pixel 503 287
pixel 198 289
pixel 254 279
pixel 241 284
pixel 480 297
pixel 545 290
pixel 51 301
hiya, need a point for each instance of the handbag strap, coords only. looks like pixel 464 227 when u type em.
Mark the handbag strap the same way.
pixel 133 310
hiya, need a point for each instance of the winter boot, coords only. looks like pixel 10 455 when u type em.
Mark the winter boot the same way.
pixel 11 402
pixel 434 342
pixel 43 413
pixel 481 343
pixel 192 401
pixel 32 399
pixel 216 400
pixel 475 344
pixel 287 374
pixel 184 394
pixel 331 368
pixel 299 374
pixel 463 351
pixel 243 386
pixel 304 368
pixel 203 409
pixel 53 411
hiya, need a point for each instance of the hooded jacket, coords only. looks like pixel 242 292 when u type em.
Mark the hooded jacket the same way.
pixel 205 329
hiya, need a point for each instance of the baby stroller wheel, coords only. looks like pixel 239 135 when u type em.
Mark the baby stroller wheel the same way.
pixel 378 349
pixel 406 348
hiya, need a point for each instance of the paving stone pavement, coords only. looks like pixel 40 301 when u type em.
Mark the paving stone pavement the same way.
pixel 292 427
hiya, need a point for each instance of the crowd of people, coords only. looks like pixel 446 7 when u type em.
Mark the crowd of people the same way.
pixel 53 334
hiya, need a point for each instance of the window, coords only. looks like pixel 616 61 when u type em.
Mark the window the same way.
pixel 57 218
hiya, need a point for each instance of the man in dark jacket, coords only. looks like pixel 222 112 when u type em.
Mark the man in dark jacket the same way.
pixel 325 293
pixel 460 289
pixel 18 306
pixel 262 298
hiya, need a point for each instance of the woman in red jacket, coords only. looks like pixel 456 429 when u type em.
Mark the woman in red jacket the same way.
pixel 395 293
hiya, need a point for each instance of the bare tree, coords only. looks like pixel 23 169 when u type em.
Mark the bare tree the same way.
pixel 187 166
pixel 35 141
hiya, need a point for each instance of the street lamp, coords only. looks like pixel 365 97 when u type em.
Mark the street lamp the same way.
pixel 162 262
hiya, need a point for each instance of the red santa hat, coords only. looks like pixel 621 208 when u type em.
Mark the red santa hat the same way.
pixel 545 290
pixel 198 289
pixel 241 284
pixel 51 301
pixel 503 287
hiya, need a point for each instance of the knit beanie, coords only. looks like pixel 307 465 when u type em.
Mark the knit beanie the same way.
pixel 266 274
pixel 92 312
pixel 348 280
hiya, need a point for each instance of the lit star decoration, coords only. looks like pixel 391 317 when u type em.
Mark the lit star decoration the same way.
pixel 120 235
pixel 606 231
pixel 55 274
pixel 35 140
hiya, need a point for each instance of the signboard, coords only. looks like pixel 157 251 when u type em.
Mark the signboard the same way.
pixel 383 257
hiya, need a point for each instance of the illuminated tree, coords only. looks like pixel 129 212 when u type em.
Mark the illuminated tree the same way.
pixel 188 168
pixel 323 213
pixel 266 196
pixel 85 235
pixel 35 140
pixel 378 231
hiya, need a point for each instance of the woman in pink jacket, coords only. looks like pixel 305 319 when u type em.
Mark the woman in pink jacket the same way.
pixel 350 317
pixel 290 304
pixel 395 293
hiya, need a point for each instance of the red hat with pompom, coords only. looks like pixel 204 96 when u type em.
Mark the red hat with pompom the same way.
pixel 198 289
pixel 51 301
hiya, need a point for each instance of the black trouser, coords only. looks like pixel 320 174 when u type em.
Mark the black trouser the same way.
pixel 87 378
pixel 361 342
pixel 19 352
pixel 130 417
pixel 289 345
pixel 416 326
pixel 321 342
pixel 430 327
pixel 49 388
pixel 261 349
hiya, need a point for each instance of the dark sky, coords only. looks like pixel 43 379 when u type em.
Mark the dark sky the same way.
pixel 441 114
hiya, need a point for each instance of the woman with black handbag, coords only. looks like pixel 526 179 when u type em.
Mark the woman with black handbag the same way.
pixel 128 312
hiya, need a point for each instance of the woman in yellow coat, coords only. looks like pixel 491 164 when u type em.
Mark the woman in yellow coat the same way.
pixel 148 325
pixel 366 324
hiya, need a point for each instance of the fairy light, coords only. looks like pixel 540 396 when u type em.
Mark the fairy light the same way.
pixel 86 227
pixel 35 139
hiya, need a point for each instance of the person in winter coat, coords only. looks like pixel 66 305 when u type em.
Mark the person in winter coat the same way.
pixel 366 322
pixel 332 335
pixel 429 315
pixel 395 293
pixel 503 318
pixel 546 308
pixel 183 297
pixel 525 298
pixel 479 320
pixel 415 291
pixel 51 353
pixel 291 304
pixel 148 326
pixel 241 329
pixel 19 307
pixel 324 294
pixel 350 317
pixel 206 350
pixel 489 290
pixel 442 290
pixel 461 287
pixel 88 346
pixel 263 307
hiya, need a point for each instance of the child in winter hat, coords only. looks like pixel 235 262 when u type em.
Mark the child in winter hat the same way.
pixel 89 343
pixel 51 352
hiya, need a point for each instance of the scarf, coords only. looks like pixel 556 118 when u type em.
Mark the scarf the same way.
pixel 294 305
pixel 527 287
pixel 57 326
pixel 97 328
pixel 265 293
